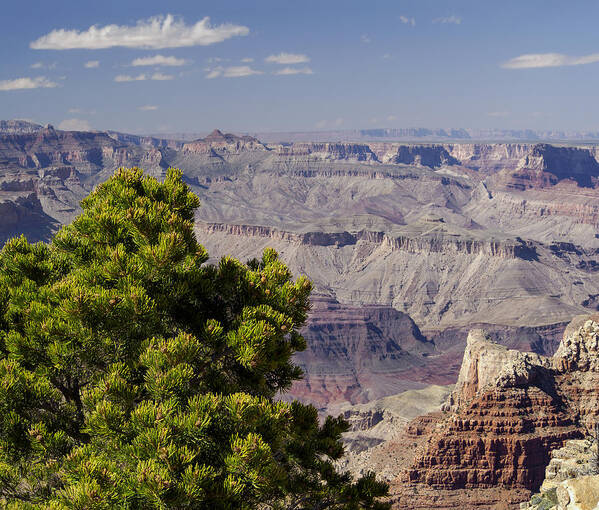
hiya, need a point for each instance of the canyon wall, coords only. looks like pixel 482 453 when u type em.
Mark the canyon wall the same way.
pixel 447 235
pixel 508 411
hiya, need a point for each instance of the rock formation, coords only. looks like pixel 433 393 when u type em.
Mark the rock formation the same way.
pixel 571 479
pixel 360 353
pixel 438 232
pixel 509 410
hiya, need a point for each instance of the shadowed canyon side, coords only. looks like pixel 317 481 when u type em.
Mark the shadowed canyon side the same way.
pixel 508 411
pixel 434 238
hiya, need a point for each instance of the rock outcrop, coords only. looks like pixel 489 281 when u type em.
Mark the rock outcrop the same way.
pixel 218 143
pixel 360 353
pixel 571 479
pixel 510 410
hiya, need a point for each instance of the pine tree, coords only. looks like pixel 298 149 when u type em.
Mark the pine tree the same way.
pixel 135 375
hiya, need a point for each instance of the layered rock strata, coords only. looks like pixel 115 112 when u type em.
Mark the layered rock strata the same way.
pixel 509 410
pixel 357 354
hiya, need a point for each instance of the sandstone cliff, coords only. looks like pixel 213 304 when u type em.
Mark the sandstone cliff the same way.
pixel 509 411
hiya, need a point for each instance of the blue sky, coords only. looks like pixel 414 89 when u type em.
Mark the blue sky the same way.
pixel 274 65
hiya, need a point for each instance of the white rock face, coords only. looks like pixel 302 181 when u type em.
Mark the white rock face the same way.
pixel 487 363
pixel 580 349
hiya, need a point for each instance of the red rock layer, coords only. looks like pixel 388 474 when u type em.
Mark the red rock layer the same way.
pixel 500 431
pixel 503 438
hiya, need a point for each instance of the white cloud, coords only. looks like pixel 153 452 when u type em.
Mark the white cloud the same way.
pixel 147 108
pixel 408 21
pixel 247 60
pixel 387 56
pixel 161 77
pixel 287 58
pixel 214 73
pixel 453 20
pixel 231 72
pixel 154 33
pixel 143 77
pixel 365 39
pixel 41 82
pixel 92 64
pixel 294 70
pixel 126 77
pixel 74 125
pixel 391 118
pixel 42 65
pixel 532 60
pixel 159 60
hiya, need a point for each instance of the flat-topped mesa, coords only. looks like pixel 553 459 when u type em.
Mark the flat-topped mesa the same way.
pixel 545 165
pixel 224 143
pixel 432 156
pixel 328 152
pixel 510 409
pixel 15 126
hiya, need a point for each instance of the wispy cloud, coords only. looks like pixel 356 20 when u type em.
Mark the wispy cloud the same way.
pixel 154 33
pixel 498 114
pixel 532 60
pixel 126 78
pixel 81 111
pixel 147 108
pixel 92 64
pixel 247 60
pixel 143 77
pixel 365 39
pixel 294 70
pixel 41 82
pixel 232 72
pixel 287 58
pixel 159 60
pixel 42 65
pixel 338 122
pixel 408 21
pixel 452 20
pixel 74 125
pixel 161 77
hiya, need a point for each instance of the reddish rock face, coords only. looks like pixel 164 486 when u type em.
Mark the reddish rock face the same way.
pixel 359 353
pixel 509 410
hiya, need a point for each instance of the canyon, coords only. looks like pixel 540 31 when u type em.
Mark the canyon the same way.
pixel 453 283
pixel 514 424
pixel 408 245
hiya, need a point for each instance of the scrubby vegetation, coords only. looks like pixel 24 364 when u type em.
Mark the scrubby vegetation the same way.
pixel 135 375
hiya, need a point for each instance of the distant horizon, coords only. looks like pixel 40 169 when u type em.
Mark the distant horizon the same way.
pixel 366 134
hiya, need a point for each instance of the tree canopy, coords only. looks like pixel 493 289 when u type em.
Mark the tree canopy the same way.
pixel 136 375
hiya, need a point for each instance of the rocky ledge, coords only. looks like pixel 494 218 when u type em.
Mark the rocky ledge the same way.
pixel 571 479
pixel 509 410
